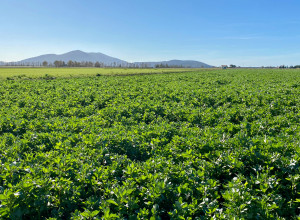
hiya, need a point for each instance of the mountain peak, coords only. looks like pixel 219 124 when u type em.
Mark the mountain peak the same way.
pixel 75 55
pixel 76 51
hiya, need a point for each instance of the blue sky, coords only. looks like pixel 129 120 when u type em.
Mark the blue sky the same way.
pixel 241 32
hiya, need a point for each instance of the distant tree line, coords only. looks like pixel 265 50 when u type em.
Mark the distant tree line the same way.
pixel 31 64
pixel 288 67
pixel 294 67
pixel 70 63
pixel 97 64
pixel 161 65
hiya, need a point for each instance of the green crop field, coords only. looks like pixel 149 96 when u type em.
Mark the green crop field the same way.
pixel 210 144
pixel 40 72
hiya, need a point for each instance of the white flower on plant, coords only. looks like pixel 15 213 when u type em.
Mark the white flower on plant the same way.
pixel 17 193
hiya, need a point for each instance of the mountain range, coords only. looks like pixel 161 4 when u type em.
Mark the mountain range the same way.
pixel 80 56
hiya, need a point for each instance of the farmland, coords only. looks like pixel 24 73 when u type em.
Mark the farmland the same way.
pixel 47 73
pixel 219 144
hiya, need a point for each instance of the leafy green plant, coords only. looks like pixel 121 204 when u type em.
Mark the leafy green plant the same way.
pixel 194 145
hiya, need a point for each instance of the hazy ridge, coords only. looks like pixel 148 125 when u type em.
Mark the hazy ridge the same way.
pixel 80 56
